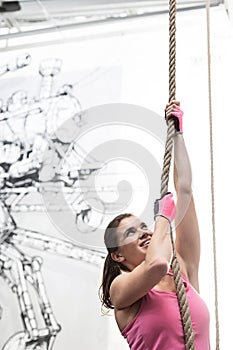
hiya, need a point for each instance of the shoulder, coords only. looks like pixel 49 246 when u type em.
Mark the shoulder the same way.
pixel 117 282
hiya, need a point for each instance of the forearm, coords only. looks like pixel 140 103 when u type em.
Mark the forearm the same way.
pixel 182 167
pixel 160 248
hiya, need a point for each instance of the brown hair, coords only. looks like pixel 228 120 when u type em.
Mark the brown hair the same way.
pixel 111 268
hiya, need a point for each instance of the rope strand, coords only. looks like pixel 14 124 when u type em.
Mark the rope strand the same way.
pixel 212 174
pixel 180 288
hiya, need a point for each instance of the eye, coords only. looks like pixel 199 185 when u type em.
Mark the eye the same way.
pixel 130 232
pixel 144 227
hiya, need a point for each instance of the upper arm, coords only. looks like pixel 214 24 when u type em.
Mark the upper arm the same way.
pixel 129 287
pixel 187 241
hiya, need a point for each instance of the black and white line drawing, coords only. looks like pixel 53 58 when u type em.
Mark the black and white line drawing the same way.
pixel 29 144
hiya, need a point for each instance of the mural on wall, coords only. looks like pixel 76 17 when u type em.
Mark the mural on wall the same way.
pixel 37 156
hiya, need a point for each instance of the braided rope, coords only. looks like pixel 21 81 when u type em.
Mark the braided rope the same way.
pixel 212 175
pixel 180 288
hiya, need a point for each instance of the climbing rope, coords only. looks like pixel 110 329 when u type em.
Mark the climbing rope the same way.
pixel 180 288
pixel 212 174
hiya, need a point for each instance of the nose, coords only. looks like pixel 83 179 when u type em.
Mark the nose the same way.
pixel 143 235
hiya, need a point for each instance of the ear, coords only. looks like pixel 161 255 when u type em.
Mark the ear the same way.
pixel 116 256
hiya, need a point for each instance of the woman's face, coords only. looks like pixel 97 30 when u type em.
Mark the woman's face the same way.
pixel 133 239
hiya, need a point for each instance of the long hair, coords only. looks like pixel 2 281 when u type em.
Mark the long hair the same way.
pixel 111 267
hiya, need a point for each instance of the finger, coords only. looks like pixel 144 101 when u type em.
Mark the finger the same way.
pixel 170 111
pixel 174 102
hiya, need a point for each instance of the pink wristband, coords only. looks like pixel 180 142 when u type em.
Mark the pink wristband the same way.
pixel 178 114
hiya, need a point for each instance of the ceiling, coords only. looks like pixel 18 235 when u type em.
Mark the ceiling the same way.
pixel 29 17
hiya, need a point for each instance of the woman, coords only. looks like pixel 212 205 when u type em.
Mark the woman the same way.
pixel 137 279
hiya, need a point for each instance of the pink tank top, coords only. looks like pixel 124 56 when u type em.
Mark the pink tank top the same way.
pixel 157 325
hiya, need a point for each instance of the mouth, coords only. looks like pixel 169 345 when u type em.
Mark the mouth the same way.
pixel 145 243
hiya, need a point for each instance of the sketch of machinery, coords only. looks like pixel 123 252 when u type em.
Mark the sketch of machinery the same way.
pixel 33 145
pixel 31 140
pixel 20 271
